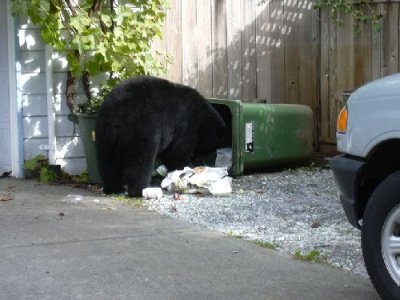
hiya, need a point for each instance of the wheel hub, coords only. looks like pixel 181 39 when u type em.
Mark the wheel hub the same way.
pixel 391 244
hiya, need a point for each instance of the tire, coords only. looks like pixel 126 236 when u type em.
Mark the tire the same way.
pixel 380 233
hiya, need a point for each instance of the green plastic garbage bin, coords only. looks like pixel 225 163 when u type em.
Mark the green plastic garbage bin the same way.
pixel 86 125
pixel 264 135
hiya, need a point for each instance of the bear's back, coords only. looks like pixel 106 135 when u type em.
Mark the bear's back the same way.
pixel 146 95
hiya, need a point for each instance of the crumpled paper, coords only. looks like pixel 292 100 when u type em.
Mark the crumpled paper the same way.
pixel 204 180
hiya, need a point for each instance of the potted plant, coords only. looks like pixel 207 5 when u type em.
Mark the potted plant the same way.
pixel 109 42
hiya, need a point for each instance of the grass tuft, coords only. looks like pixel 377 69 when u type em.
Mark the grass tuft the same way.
pixel 133 202
pixel 268 245
pixel 231 233
pixel 312 256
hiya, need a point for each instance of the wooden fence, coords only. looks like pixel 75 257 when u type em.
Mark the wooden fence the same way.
pixel 283 51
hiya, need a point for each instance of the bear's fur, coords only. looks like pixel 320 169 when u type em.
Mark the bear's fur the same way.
pixel 145 118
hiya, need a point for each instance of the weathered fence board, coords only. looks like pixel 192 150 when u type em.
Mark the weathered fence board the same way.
pixel 204 25
pixel 280 51
pixel 248 44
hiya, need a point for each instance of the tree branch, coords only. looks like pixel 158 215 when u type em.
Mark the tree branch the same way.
pixel 70 91
pixel 71 7
pixel 86 85
pixel 96 6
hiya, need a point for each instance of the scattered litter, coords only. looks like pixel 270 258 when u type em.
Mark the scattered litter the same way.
pixel 96 200
pixel 5 197
pixel 221 187
pixel 224 158
pixel 152 193
pixel 72 198
pixel 162 170
pixel 108 208
pixel 178 196
pixel 204 180
pixel 316 224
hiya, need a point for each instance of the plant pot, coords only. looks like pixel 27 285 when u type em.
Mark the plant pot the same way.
pixel 56 169
pixel 86 124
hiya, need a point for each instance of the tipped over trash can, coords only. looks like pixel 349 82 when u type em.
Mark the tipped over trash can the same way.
pixel 264 135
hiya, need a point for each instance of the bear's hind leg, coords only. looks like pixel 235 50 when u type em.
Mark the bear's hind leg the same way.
pixel 138 171
pixel 112 178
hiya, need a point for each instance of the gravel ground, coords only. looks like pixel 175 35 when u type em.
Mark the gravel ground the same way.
pixel 293 210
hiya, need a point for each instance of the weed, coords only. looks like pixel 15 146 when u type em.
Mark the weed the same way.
pixel 35 163
pixel 33 166
pixel 312 256
pixel 46 175
pixel 231 233
pixel 133 202
pixel 311 167
pixel 268 245
pixel 82 178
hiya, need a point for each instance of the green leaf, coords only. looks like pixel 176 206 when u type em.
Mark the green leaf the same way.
pixel 106 20
pixel 93 67
pixel 115 41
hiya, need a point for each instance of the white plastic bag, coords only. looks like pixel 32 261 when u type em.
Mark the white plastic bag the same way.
pixel 198 180
pixel 224 158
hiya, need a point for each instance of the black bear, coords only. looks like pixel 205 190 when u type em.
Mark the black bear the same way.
pixel 145 118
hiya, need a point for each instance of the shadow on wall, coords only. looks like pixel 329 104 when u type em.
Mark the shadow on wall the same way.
pixel 239 49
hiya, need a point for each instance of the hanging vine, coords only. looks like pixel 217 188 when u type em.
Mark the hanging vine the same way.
pixel 99 37
pixel 361 11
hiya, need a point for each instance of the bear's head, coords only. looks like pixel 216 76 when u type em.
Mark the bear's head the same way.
pixel 210 132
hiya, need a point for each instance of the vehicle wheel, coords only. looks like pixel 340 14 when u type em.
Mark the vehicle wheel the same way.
pixel 380 237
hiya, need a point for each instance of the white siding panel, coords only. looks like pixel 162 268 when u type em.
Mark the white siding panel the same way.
pixel 30 39
pixel 35 127
pixel 3 48
pixel 60 103
pixel 59 83
pixel 33 83
pixel 32 147
pixel 60 63
pixel 70 147
pixel 60 80
pixel 97 80
pixel 26 23
pixel 73 166
pixel 34 105
pixel 4 106
pixel 64 127
pixel 5 159
pixel 33 61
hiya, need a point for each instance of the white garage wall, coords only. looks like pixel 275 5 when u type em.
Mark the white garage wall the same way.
pixel 69 150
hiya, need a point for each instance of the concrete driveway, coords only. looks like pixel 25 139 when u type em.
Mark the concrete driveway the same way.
pixel 55 246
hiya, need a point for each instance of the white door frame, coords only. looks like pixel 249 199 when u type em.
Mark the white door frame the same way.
pixel 17 157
